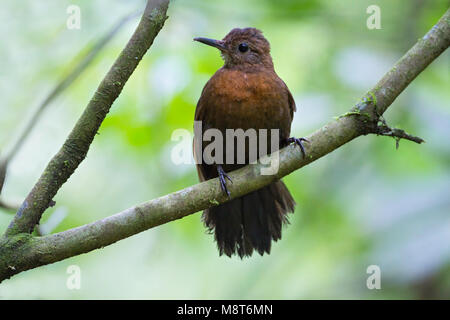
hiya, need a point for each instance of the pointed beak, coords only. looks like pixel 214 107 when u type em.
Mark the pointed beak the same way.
pixel 219 44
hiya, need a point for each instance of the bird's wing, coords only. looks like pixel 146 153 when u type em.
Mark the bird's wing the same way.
pixel 291 100
pixel 200 115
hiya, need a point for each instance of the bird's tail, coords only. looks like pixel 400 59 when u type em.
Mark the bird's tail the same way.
pixel 250 222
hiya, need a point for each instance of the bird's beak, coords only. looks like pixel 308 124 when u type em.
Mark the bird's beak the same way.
pixel 219 44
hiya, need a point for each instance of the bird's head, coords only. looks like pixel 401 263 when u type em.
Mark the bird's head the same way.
pixel 242 48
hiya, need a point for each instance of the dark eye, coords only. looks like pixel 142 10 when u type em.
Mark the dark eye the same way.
pixel 243 47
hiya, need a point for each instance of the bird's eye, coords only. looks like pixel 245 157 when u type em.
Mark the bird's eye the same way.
pixel 243 47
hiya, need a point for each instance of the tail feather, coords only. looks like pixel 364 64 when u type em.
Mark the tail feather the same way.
pixel 255 224
pixel 251 222
pixel 275 221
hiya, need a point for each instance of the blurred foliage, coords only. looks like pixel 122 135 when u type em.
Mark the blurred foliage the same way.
pixel 364 204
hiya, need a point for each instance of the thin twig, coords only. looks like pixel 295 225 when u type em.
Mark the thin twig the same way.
pixel 384 130
pixel 92 51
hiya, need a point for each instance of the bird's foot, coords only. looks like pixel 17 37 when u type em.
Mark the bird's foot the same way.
pixel 298 141
pixel 223 183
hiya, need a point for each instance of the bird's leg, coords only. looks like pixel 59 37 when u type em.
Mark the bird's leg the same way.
pixel 223 182
pixel 298 141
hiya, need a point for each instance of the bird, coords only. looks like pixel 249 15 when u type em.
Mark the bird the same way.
pixel 245 93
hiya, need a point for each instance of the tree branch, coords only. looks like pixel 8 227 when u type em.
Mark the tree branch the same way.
pixel 75 148
pixel 22 251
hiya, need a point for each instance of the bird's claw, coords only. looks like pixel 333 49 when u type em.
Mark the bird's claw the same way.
pixel 298 141
pixel 223 183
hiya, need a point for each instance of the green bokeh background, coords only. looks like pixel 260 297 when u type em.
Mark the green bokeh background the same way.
pixel 365 204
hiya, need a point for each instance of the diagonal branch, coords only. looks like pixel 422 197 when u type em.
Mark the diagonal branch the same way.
pixel 22 251
pixel 75 148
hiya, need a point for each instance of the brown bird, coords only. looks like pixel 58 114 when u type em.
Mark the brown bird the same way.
pixel 245 93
